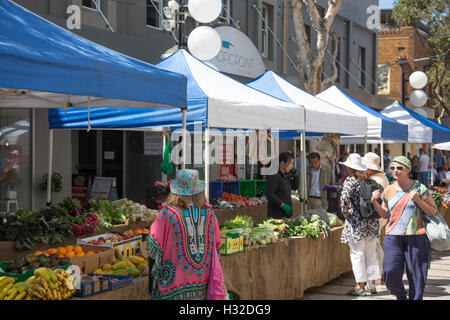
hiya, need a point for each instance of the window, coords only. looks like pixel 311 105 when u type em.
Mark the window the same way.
pixel 15 159
pixel 383 74
pixel 267 11
pixel 225 15
pixel 91 4
pixel 362 67
pixel 154 8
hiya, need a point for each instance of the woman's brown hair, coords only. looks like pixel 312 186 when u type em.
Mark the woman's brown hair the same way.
pixel 199 200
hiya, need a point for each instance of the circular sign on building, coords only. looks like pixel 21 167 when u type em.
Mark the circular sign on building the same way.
pixel 238 55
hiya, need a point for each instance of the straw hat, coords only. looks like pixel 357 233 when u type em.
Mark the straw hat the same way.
pixel 372 161
pixel 354 161
pixel 187 183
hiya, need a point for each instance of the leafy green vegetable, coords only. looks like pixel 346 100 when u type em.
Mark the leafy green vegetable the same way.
pixel 239 222
pixel 108 213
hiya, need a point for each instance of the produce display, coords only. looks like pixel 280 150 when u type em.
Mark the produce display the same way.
pixel 136 211
pixel 230 200
pixel 112 239
pixel 125 266
pixel 307 227
pixel 46 284
pixel 32 261
pixel 440 197
pixel 137 231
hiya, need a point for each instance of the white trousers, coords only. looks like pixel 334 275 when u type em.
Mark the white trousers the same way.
pixel 363 254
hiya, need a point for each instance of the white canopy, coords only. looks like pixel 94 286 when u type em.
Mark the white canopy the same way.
pixel 378 126
pixel 321 116
pixel 442 146
pixel 417 131
pixel 229 103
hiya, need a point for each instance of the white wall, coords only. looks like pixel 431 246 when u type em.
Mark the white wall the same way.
pixel 62 159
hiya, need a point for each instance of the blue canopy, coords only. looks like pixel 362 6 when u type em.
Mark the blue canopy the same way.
pixel 213 99
pixel 36 54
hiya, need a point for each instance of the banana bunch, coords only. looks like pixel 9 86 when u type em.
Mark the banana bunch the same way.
pixel 51 285
pixel 9 290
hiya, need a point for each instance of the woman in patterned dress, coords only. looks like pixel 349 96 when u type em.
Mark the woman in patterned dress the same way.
pixel 405 241
pixel 181 242
pixel 359 233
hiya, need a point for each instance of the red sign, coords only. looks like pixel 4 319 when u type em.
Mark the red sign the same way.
pixel 80 184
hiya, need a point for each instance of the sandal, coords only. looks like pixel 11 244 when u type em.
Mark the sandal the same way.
pixel 357 292
pixel 371 291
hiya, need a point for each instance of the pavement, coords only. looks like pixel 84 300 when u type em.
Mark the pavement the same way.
pixel 437 286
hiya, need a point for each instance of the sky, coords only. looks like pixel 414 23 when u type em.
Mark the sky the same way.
pixel 386 4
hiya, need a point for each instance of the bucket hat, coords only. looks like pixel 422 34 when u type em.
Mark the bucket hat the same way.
pixel 354 161
pixel 402 160
pixel 372 161
pixel 187 183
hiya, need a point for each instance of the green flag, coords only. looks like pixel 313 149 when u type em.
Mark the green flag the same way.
pixel 166 165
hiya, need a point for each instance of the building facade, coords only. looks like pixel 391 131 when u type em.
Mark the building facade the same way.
pixel 134 28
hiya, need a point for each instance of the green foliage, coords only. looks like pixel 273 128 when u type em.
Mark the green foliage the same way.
pixel 239 222
pixel 109 214
pixel 56 181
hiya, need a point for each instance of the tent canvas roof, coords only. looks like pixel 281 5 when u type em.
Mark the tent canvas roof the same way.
pixel 379 126
pixel 321 116
pixel 61 68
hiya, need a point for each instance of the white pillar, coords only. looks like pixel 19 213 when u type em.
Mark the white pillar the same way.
pixel 207 160
pixel 50 165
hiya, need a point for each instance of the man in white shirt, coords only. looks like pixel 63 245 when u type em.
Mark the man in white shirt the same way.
pixel 424 166
pixel 317 176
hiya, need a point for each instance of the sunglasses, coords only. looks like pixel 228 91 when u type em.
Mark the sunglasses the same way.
pixel 398 168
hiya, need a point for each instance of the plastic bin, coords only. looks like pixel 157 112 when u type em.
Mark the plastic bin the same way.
pixel 249 188
pixel 118 281
pixel 231 187
pixel 90 287
pixel 21 277
pixel 215 189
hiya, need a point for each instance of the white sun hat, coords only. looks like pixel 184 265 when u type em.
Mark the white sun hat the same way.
pixel 354 161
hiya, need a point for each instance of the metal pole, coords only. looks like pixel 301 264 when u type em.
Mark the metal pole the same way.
pixel 163 175
pixel 365 144
pixel 50 165
pixel 382 155
pixel 207 156
pixel 303 165
pixel 183 165
pixel 432 163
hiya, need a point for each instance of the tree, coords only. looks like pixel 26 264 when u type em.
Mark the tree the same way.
pixel 431 16
pixel 311 62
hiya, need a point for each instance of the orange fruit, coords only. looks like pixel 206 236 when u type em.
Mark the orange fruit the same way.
pixel 70 254
pixel 52 250
pixel 47 254
pixel 90 252
pixel 62 251
pixel 37 253
pixel 69 248
pixel 79 254
pixel 61 256
pixel 78 249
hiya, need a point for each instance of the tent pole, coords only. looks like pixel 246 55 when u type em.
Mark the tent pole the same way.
pixel 50 164
pixel 207 156
pixel 382 155
pixel 183 110
pixel 432 163
pixel 303 164
pixel 365 144
pixel 163 175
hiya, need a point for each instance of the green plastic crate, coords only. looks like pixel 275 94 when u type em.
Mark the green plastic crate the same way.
pixel 20 277
pixel 248 188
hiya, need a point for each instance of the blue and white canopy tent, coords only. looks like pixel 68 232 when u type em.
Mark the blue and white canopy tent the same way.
pixel 321 116
pixel 420 128
pixel 45 66
pixel 379 127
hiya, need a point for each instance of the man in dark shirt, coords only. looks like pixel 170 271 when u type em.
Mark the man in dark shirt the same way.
pixel 279 188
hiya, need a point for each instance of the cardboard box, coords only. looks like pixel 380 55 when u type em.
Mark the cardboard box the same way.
pixel 88 264
pixel 127 247
pixel 231 244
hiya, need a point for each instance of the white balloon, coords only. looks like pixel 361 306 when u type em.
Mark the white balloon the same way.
pixel 418 98
pixel 418 79
pixel 205 11
pixel 204 43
